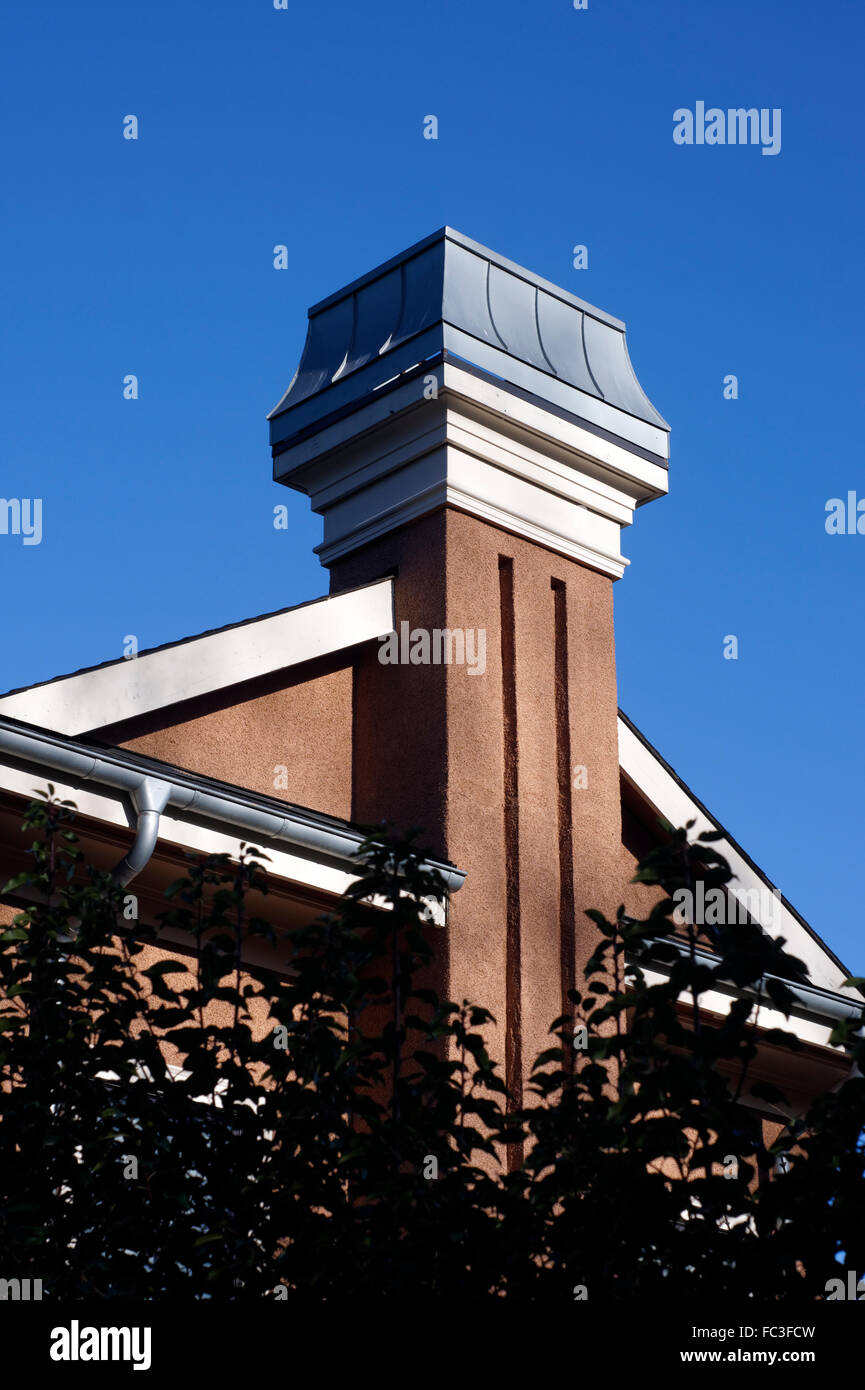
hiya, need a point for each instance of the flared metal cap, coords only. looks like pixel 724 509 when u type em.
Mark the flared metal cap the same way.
pixel 450 296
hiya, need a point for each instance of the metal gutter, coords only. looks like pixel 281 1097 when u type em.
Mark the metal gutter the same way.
pixel 812 1001
pixel 155 786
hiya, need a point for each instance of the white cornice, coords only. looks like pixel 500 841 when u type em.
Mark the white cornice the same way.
pixel 450 437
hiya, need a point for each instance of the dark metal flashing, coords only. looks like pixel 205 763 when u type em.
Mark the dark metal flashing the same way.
pixel 351 407
pixel 449 293
pixel 394 383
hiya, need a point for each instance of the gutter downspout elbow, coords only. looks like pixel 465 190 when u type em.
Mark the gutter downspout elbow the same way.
pixel 150 798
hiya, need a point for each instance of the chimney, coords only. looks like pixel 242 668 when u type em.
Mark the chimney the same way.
pixel 480 434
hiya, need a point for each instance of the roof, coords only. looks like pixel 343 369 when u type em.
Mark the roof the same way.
pixel 117 691
pixel 450 295
pixel 661 787
pixel 84 763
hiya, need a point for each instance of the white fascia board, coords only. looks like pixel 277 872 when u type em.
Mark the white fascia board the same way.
pixel 155 680
pixel 672 801
pixel 319 463
pixel 807 1030
pixel 642 477
pixel 477 447
pixel 186 834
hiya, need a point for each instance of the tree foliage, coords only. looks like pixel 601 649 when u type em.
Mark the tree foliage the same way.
pixel 177 1123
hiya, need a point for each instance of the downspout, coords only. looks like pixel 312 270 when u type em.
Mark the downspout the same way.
pixel 150 799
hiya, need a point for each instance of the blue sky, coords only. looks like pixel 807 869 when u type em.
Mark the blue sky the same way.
pixel 304 127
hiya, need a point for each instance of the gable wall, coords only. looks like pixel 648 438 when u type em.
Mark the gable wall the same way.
pixel 287 735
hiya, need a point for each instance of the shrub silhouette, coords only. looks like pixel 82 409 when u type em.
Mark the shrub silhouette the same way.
pixel 196 1125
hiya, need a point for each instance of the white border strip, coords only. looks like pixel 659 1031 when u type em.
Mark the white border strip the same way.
pixel 673 802
pixel 155 680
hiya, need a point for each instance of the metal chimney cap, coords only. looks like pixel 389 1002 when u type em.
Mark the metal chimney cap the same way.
pixel 449 295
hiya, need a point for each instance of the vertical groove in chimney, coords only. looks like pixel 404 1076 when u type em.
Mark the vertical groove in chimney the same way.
pixel 567 925
pixel 513 1022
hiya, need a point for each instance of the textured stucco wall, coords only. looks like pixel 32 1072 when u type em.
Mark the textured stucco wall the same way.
pixel 297 720
pixel 430 749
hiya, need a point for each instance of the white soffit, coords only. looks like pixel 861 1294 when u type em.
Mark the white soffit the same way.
pixel 654 780
pixel 157 679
